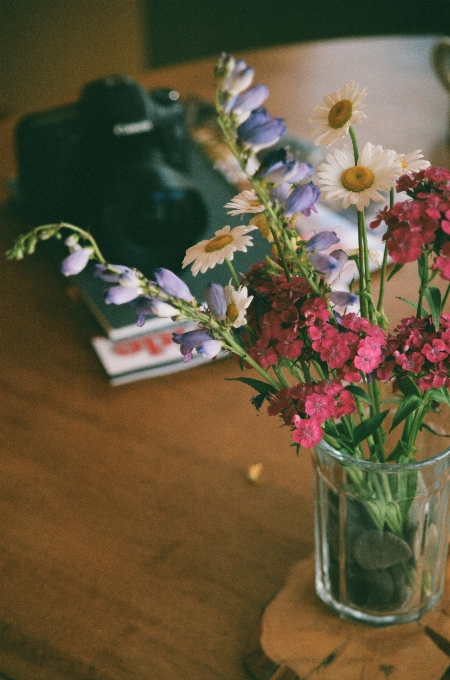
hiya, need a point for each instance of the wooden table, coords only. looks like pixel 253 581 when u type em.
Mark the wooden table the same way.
pixel 132 545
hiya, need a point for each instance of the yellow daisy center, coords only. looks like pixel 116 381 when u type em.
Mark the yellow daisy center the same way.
pixel 340 113
pixel 232 312
pixel 357 178
pixel 218 242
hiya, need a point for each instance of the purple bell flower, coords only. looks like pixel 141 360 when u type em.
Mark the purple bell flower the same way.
pixel 146 306
pixel 210 348
pixel 173 285
pixel 75 262
pixel 341 298
pixel 239 77
pixel 280 193
pixel 214 295
pixel 142 305
pixel 198 339
pixel 302 199
pixel 280 166
pixel 325 264
pixel 246 102
pixel 118 295
pixel 260 131
pixel 293 171
pixel 322 241
pixel 341 257
pixel 104 272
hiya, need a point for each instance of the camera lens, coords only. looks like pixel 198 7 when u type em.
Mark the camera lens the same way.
pixel 153 219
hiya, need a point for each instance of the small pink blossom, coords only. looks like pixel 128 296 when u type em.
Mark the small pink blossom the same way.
pixel 319 406
pixel 335 352
pixel 344 404
pixel 437 351
pixel 307 431
pixel 367 360
pixel 410 362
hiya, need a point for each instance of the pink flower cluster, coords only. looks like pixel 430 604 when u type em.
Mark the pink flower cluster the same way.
pixel 288 321
pixel 416 349
pixel 277 329
pixel 422 223
pixel 307 405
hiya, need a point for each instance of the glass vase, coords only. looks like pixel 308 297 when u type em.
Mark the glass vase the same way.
pixel 381 535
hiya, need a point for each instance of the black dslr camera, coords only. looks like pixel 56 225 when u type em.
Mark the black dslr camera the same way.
pixel 117 164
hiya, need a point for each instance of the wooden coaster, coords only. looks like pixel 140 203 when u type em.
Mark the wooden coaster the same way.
pixel 299 637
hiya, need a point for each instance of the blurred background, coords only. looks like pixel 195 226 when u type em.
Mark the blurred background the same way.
pixel 50 48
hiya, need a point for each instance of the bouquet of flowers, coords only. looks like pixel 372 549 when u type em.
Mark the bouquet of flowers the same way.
pixel 322 349
pixel 321 353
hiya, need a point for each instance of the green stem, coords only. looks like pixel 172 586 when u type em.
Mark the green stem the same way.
pixel 354 144
pixel 233 272
pixel 362 278
pixel 367 274
pixel 384 262
pixel 235 348
pixel 445 298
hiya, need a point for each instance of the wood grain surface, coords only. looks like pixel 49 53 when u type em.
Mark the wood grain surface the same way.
pixel 132 546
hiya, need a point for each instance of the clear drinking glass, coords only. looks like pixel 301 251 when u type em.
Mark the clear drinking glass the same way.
pixel 381 534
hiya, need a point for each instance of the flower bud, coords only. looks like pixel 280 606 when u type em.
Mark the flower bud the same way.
pixel 118 295
pixel 76 261
pixel 173 285
pixel 215 299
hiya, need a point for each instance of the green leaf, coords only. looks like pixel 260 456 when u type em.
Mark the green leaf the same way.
pixel 399 450
pixel 425 312
pixel 408 302
pixel 368 427
pixel 394 271
pixel 408 405
pixel 430 429
pixel 433 296
pixel 440 394
pixel 258 385
pixel 408 387
pixel 359 392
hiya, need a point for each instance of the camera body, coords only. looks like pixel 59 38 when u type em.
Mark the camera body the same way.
pixel 117 164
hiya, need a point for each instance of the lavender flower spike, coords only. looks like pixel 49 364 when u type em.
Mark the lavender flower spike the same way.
pixel 76 261
pixel 173 285
pixel 302 199
pixel 322 241
pixel 214 295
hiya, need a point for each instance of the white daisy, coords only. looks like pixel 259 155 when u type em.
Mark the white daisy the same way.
pixel 237 302
pixel 245 202
pixel 206 254
pixel 412 162
pixel 341 179
pixel 339 110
